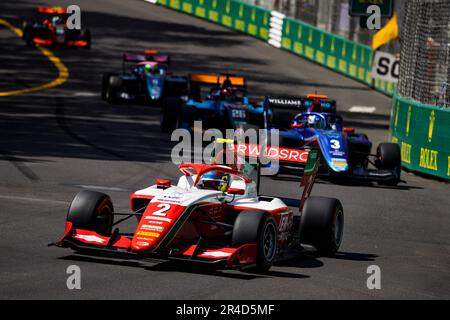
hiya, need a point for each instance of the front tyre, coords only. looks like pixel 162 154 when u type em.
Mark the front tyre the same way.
pixel 322 224
pixel 114 84
pixel 260 228
pixel 105 80
pixel 389 158
pixel 91 210
pixel 27 35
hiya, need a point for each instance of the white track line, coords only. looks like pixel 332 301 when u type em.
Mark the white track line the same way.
pixel 85 94
pixel 31 199
pixel 362 109
pixel 101 188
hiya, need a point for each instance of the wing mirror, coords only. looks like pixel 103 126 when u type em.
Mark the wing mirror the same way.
pixel 236 191
pixel 349 130
pixel 163 183
pixel 296 125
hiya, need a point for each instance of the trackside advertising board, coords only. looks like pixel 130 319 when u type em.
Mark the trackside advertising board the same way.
pixel 385 67
pixel 423 133
pixel 233 14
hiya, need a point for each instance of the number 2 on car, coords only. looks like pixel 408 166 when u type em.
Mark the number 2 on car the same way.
pixel 164 208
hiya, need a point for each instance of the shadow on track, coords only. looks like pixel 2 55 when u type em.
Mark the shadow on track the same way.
pixel 342 182
pixel 185 268
pixel 311 259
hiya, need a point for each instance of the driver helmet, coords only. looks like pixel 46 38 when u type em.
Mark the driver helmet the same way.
pixel 312 120
pixel 215 180
pixel 222 93
pixel 227 89
pixel 150 69
pixel 56 20
pixel 228 94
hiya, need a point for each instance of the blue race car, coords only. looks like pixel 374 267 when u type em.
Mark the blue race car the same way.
pixel 219 101
pixel 147 81
pixel 345 153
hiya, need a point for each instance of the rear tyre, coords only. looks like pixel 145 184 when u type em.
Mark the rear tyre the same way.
pixel 389 158
pixel 322 224
pixel 169 114
pixel 260 228
pixel 91 210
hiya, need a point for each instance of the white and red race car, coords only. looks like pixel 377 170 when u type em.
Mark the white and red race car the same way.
pixel 212 215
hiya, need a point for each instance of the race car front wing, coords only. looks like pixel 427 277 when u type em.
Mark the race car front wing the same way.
pixel 119 246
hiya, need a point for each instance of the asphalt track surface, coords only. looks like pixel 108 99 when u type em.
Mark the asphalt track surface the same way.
pixel 57 141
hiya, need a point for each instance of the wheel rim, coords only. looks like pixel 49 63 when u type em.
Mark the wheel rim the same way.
pixel 105 219
pixel 338 228
pixel 269 241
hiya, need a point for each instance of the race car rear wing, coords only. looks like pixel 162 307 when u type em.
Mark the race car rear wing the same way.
pixel 198 83
pixel 301 103
pixel 133 57
pixel 148 55
pixel 154 55
pixel 51 10
pixel 217 80
pixel 285 108
pixel 284 102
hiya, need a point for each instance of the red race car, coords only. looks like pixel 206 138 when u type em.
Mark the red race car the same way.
pixel 213 215
pixel 51 29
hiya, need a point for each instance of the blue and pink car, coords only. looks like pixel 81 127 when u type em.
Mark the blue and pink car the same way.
pixel 144 78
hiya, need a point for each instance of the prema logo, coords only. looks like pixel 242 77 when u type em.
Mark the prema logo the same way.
pixel 277 153
pixel 217 254
pixel 90 238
